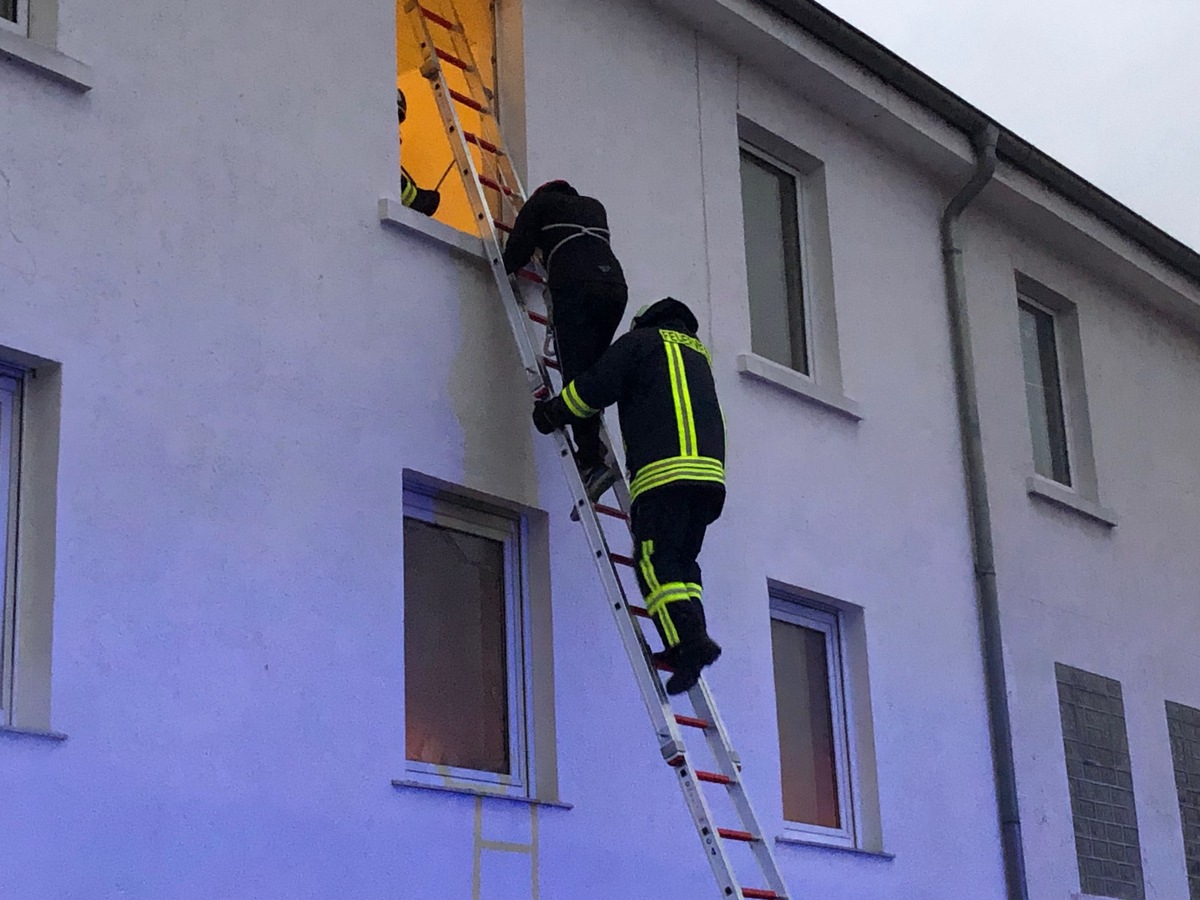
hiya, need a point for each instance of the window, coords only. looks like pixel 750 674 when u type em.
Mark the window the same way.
pixel 425 150
pixel 773 226
pixel 1051 348
pixel 1183 725
pixel 814 750
pixel 11 390
pixel 1043 392
pixel 465 642
pixel 1100 780
pixel 789 271
pixel 14 15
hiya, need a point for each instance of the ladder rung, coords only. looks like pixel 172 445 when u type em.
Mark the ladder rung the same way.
pixel 610 511
pixel 482 144
pixel 530 275
pixel 759 894
pixel 537 317
pixel 731 834
pixel 507 229
pixel 639 611
pixel 496 186
pixel 714 778
pixel 469 101
pixel 621 558
pixel 452 59
pixel 436 19
pixel 691 721
pixel 552 363
pixel 664 667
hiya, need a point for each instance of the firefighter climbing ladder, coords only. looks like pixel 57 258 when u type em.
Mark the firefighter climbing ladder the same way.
pixel 505 194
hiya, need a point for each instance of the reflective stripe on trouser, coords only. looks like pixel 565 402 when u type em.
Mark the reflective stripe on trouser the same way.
pixel 660 596
pixel 668 533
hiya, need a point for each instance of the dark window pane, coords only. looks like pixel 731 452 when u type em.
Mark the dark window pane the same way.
pixel 1043 394
pixel 806 738
pixel 8 10
pixel 455 666
pixel 773 263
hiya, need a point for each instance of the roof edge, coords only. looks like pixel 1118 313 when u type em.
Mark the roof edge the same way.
pixel 904 77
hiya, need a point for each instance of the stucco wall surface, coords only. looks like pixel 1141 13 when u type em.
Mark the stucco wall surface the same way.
pixel 250 362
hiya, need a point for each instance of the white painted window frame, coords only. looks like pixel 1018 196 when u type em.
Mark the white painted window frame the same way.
pixel 1063 394
pixel 796 611
pixel 804 251
pixel 441 508
pixel 12 388
pixel 21 25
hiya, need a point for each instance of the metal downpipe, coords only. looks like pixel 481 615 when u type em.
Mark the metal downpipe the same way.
pixel 983 548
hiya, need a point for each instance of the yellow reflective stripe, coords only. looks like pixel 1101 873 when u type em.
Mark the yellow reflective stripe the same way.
pixel 647 566
pixel 668 627
pixel 668 593
pixel 408 192
pixel 677 468
pixel 575 404
pixel 671 479
pixel 671 463
pixel 694 589
pixel 678 337
pixel 678 382
pixel 689 419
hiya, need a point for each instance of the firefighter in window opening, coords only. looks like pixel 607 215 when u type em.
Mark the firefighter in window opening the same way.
pixel 588 296
pixel 419 199
pixel 660 377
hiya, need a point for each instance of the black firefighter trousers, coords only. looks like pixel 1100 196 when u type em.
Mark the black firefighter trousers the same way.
pixel 668 526
pixel 586 316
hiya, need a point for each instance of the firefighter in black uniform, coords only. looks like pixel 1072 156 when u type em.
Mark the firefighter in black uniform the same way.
pixel 419 199
pixel 588 293
pixel 660 377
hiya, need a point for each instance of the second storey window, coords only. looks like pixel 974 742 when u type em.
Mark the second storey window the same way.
pixel 1043 392
pixel 464 643
pixel 772 201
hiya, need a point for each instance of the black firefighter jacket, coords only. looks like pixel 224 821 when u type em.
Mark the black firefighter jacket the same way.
pixel 660 377
pixel 571 231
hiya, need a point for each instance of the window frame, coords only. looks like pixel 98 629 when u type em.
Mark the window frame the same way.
pixel 19 25
pixel 445 509
pixel 806 614
pixel 803 258
pixel 1068 447
pixel 12 390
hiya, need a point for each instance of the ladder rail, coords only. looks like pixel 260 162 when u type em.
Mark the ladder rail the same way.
pixel 727 760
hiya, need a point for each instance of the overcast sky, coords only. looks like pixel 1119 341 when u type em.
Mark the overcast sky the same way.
pixel 1109 88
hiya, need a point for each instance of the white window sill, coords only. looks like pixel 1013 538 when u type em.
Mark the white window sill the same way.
pixel 9 731
pixel 762 369
pixel 395 214
pixel 1063 497
pixel 46 60
pixel 405 784
pixel 821 845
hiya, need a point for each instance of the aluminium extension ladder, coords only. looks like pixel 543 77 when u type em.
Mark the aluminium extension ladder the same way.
pixel 502 187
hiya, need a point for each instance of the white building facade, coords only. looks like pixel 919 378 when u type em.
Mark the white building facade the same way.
pixel 293 607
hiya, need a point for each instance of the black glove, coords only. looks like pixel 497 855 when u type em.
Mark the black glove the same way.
pixel 544 419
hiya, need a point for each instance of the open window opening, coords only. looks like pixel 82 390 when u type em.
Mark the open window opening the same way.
pixel 426 156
